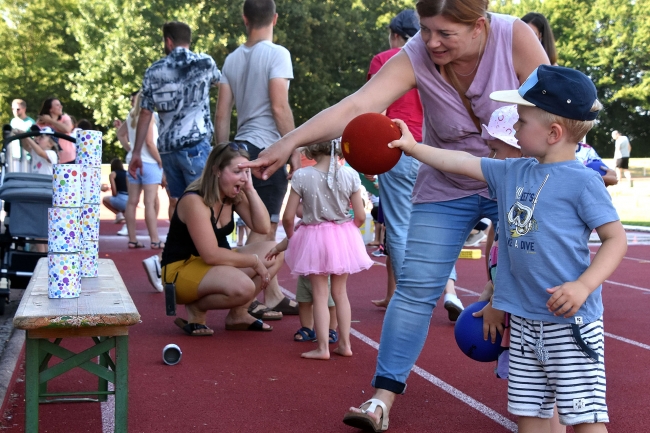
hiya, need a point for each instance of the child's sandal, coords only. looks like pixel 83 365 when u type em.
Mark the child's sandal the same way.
pixel 334 336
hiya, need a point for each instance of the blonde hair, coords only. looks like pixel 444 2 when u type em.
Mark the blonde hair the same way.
pixel 207 186
pixel 322 148
pixel 575 129
pixel 135 111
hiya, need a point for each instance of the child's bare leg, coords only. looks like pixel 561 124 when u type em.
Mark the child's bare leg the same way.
pixel 529 424
pixel 321 317
pixel 334 323
pixel 343 314
pixel 556 427
pixel 390 286
pixel 590 428
pixel 306 315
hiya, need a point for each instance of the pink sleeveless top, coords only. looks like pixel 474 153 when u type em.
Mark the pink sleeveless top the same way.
pixel 447 124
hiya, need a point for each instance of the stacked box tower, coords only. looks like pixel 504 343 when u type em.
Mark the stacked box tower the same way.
pixel 73 226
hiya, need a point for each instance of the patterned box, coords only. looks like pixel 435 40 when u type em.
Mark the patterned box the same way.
pixel 89 148
pixel 91 184
pixel 89 259
pixel 63 276
pixel 64 230
pixel 66 185
pixel 90 222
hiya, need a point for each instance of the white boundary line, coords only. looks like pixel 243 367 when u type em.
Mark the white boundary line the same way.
pixel 474 404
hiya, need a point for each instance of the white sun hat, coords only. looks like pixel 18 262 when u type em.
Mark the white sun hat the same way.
pixel 501 126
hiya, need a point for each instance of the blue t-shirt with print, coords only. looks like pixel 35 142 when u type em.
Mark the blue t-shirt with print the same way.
pixel 178 88
pixel 546 214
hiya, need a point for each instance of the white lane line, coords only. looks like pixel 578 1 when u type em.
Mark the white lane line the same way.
pixel 630 258
pixel 628 286
pixel 475 404
pixel 627 340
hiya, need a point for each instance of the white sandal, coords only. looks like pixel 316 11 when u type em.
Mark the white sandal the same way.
pixel 363 421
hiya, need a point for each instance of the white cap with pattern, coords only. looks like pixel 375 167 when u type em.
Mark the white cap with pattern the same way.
pixel 501 126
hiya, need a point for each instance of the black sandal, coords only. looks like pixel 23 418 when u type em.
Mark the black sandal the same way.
pixel 136 244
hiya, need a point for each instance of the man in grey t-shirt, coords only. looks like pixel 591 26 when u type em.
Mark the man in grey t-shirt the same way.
pixel 255 81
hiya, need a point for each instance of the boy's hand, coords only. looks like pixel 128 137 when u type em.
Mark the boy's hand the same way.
pixel 407 142
pixel 493 321
pixel 568 298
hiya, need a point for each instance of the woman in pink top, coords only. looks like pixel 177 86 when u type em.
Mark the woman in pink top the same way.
pixel 461 54
pixel 52 115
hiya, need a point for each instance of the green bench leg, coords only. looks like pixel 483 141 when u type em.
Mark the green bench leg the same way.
pixel 121 383
pixel 31 385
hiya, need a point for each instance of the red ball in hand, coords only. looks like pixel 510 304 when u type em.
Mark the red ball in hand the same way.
pixel 365 143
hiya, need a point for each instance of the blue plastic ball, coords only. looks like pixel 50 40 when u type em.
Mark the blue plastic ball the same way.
pixel 595 165
pixel 469 335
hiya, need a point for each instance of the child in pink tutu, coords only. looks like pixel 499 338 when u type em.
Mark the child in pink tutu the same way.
pixel 328 243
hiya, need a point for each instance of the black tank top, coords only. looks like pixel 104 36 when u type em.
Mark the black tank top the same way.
pixel 120 181
pixel 179 244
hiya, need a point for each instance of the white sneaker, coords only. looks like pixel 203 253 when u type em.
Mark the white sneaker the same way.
pixel 473 240
pixel 119 218
pixel 123 231
pixel 453 306
pixel 152 268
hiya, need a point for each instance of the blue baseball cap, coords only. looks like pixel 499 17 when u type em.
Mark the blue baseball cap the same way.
pixel 561 91
pixel 405 24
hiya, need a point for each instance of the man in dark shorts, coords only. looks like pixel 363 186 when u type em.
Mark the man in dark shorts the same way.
pixel 622 151
pixel 255 81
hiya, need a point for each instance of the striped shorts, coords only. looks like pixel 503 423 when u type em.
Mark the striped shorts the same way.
pixel 563 363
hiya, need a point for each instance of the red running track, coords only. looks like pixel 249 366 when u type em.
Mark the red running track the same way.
pixel 246 381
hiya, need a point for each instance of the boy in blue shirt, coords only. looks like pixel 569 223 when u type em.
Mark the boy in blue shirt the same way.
pixel 548 206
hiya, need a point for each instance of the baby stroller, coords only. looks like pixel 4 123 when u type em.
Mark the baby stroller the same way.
pixel 25 199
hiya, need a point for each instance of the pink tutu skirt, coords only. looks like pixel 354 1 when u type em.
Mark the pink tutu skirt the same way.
pixel 327 248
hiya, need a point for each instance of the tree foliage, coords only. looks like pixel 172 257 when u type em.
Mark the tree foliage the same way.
pixel 608 40
pixel 95 52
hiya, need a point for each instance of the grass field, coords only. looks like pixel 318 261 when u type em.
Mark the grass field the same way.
pixel 633 203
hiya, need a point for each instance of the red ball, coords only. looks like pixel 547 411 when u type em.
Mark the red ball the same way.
pixel 365 143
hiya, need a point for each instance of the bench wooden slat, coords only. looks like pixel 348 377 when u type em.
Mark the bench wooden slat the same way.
pixel 104 301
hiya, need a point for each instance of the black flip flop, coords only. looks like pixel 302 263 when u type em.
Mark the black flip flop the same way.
pixel 191 328
pixel 284 307
pixel 263 314
pixel 257 325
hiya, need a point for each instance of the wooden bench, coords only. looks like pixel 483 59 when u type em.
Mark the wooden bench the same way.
pixel 103 312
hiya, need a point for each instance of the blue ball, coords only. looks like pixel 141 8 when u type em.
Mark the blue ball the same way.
pixel 595 165
pixel 469 335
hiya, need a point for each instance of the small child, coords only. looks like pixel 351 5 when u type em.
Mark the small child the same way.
pixel 305 298
pixel 42 150
pixel 550 203
pixel 329 242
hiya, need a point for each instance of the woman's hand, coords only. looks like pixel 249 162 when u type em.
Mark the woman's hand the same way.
pixel 269 160
pixel 248 186
pixel 261 270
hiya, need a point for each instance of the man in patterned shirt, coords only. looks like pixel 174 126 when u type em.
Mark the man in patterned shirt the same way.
pixel 178 88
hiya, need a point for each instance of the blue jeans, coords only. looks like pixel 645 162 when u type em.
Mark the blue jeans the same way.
pixel 395 189
pixel 436 235
pixel 184 166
